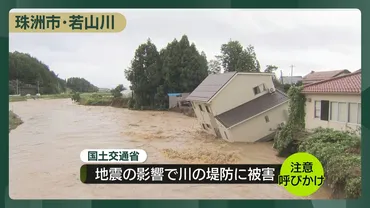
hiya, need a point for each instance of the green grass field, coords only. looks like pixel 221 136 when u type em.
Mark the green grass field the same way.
pixel 17 98
pixel 55 96
pixel 25 98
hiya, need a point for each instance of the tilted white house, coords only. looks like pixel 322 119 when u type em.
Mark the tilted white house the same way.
pixel 239 107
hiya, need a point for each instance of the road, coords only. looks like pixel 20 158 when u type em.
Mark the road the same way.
pixel 44 153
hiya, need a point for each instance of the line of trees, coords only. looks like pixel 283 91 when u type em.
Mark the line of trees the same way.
pixel 28 75
pixel 180 67
pixel 78 84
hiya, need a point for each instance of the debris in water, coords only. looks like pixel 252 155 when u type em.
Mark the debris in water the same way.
pixel 133 124
pixel 201 155
pixel 147 136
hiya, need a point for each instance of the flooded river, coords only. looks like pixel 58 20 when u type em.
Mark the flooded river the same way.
pixel 45 153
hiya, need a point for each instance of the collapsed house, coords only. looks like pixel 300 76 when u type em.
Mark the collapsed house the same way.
pixel 240 107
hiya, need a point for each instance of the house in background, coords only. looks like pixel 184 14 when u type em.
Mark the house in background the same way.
pixel 334 103
pixel 174 99
pixel 239 107
pixel 323 75
pixel 290 79
pixel 126 93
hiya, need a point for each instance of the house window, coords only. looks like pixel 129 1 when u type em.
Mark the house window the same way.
pixel 267 119
pixel 208 126
pixel 317 109
pixel 208 109
pixel 226 135
pixel 200 107
pixel 179 95
pixel 345 112
pixel 322 110
pixel 260 88
pixel 334 111
pixel 342 112
pixel 204 126
pixel 354 113
pixel 359 114
pixel 256 90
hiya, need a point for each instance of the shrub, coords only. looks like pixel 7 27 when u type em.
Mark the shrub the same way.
pixel 285 138
pixel 96 100
pixel 14 120
pixel 339 153
pixel 76 97
pixel 120 102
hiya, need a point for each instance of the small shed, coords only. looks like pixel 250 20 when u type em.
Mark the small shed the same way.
pixel 174 99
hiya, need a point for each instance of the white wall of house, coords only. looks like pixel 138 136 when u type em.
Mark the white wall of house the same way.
pixel 205 117
pixel 240 90
pixel 224 132
pixel 344 111
pixel 260 126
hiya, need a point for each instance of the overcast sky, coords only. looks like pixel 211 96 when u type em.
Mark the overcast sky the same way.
pixel 316 40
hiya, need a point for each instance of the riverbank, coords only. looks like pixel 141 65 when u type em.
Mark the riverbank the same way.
pixel 99 99
pixel 18 98
pixel 14 121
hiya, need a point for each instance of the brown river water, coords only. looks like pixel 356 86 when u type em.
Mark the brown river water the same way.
pixel 44 153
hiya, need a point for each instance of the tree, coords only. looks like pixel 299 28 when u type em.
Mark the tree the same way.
pixel 116 92
pixel 214 67
pixel 270 69
pixel 184 67
pixel 78 84
pixel 235 58
pixel 179 67
pixel 28 75
pixel 145 75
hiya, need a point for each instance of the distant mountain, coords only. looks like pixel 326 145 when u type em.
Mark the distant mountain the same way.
pixel 28 75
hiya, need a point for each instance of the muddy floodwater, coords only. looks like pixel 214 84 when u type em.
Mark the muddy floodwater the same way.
pixel 45 151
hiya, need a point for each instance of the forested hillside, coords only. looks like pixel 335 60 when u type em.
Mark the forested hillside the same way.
pixel 28 75
pixel 81 85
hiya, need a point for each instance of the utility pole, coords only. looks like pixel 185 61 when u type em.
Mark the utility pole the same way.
pixel 17 87
pixel 38 87
pixel 291 73
pixel 281 77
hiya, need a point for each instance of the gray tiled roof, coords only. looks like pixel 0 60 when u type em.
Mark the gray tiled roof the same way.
pixel 210 86
pixel 251 108
pixel 291 80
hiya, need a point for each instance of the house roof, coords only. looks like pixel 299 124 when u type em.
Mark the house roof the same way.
pixel 322 75
pixel 210 86
pixel 357 71
pixel 349 83
pixel 251 108
pixel 291 79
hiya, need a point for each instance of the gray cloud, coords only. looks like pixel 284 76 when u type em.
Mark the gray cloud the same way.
pixel 311 40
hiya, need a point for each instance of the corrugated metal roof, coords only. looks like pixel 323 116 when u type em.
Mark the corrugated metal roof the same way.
pixel 251 108
pixel 210 86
